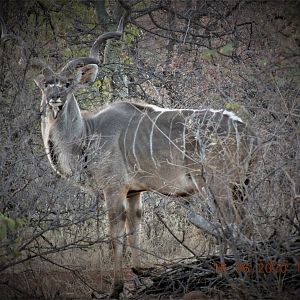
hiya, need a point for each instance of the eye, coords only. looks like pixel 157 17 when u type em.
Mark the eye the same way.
pixel 46 84
pixel 67 84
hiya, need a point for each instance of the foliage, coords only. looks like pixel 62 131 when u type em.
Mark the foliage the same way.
pixel 132 33
pixel 10 237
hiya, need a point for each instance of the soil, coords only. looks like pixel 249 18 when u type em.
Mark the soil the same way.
pixel 60 284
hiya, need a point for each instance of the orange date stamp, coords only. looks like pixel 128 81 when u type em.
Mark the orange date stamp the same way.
pixel 262 267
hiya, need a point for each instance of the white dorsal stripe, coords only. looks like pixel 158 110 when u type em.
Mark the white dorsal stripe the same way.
pixel 230 114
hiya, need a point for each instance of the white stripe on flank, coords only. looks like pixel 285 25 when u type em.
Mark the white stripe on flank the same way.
pixel 183 137
pixel 151 136
pixel 237 135
pixel 196 185
pixel 170 135
pixel 134 140
pixel 125 137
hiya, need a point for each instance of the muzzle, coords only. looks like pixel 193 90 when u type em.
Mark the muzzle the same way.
pixel 56 105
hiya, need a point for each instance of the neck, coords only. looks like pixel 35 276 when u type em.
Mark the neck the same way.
pixel 64 137
pixel 70 124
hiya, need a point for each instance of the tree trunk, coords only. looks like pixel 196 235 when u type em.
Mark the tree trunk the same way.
pixel 115 79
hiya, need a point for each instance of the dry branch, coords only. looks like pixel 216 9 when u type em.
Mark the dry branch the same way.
pixel 269 269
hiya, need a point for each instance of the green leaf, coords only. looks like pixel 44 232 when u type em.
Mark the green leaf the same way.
pixel 132 33
pixel 209 54
pixel 263 62
pixel 3 231
pixel 98 84
pixel 280 81
pixel 11 224
pixel 227 49
pixel 238 109
pixel 20 222
pixel 232 106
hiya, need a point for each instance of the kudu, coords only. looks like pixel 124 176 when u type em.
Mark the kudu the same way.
pixel 128 148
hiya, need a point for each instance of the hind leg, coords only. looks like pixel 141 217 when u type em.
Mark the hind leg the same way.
pixel 133 227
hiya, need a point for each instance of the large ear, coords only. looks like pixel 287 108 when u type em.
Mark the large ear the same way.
pixel 40 81
pixel 86 75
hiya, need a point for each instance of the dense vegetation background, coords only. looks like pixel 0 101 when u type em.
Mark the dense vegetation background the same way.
pixel 241 56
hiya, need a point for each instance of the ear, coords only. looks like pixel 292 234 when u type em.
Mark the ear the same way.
pixel 40 81
pixel 86 75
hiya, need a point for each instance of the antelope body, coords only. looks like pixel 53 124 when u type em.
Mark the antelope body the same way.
pixel 128 148
pixel 140 147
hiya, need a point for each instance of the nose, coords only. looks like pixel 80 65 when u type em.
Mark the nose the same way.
pixel 55 98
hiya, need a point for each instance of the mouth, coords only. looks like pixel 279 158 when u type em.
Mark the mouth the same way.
pixel 56 106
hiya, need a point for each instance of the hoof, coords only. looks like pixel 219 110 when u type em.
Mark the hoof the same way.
pixel 117 290
pixel 114 295
pixel 142 271
pixel 137 271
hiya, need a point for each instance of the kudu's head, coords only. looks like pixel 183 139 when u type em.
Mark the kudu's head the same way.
pixel 56 87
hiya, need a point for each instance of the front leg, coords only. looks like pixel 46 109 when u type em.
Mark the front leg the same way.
pixel 117 216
